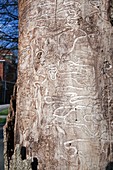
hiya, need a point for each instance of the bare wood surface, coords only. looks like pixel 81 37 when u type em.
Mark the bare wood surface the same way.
pixel 65 97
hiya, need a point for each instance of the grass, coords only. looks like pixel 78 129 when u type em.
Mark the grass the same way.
pixel 4 112
pixel 2 120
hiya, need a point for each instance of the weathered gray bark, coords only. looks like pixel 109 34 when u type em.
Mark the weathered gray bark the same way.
pixel 64 89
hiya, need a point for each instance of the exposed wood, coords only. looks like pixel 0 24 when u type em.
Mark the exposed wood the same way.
pixel 64 89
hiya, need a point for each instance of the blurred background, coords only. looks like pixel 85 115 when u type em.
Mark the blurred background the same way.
pixel 8 48
pixel 8 60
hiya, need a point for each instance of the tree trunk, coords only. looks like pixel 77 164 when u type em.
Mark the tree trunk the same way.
pixel 64 90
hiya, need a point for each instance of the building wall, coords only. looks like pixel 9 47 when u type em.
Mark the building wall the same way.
pixel 1 71
pixel 8 75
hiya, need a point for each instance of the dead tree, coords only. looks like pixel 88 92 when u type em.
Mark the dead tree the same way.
pixel 65 86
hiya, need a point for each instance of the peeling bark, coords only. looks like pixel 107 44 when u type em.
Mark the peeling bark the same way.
pixel 9 131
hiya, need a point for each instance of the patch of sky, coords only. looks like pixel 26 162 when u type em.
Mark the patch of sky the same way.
pixel 9 24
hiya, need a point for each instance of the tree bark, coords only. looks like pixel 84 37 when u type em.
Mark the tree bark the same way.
pixel 64 90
